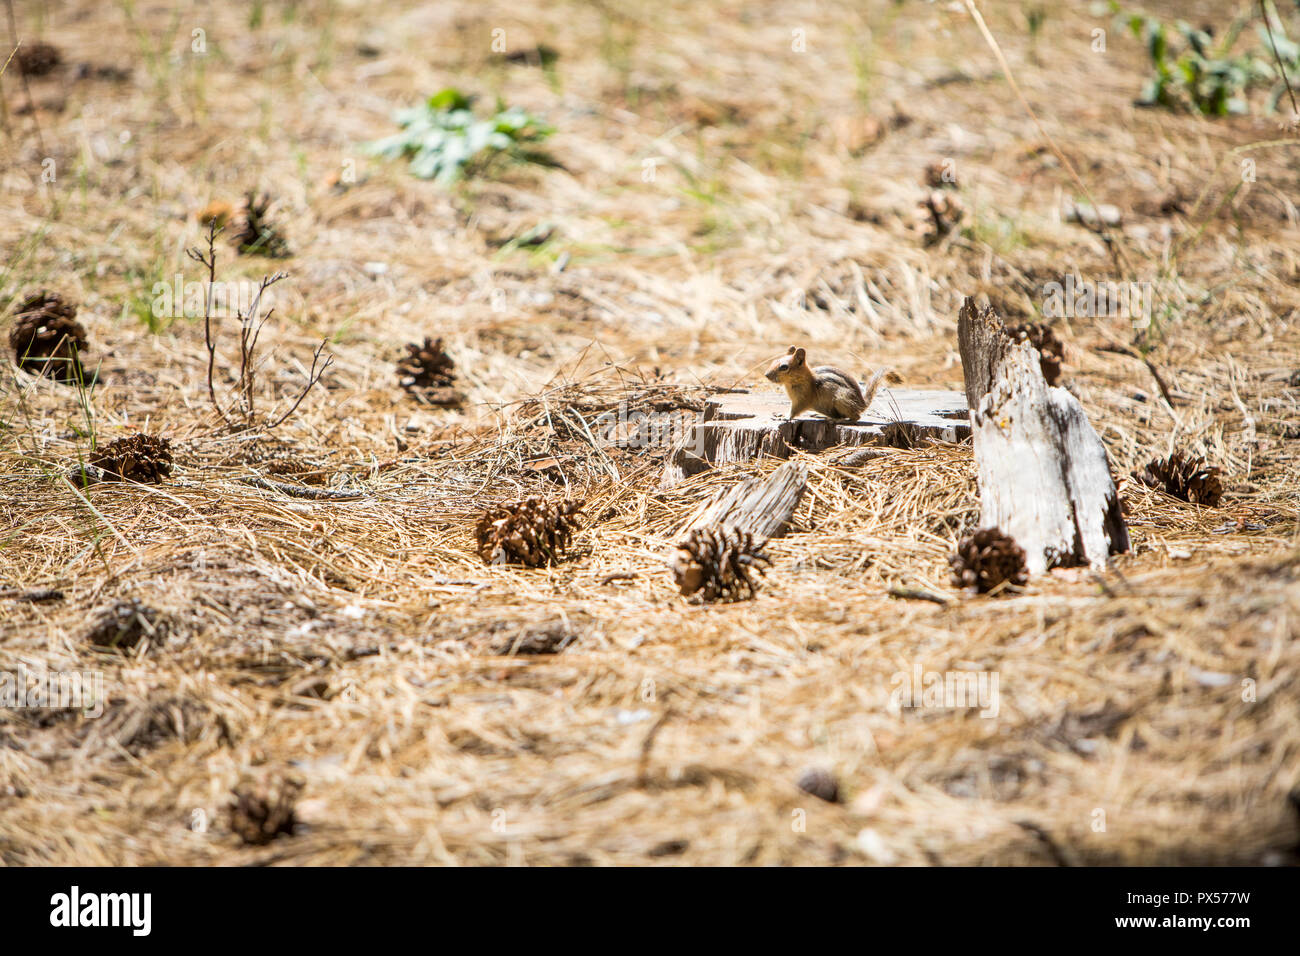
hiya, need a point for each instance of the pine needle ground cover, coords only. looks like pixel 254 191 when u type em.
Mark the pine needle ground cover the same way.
pixel 306 657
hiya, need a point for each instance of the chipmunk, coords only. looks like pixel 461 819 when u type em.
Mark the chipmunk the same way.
pixel 825 389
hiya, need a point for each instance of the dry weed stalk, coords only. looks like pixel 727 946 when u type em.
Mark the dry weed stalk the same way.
pixel 250 328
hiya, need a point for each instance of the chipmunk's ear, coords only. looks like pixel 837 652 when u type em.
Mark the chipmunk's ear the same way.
pixel 799 356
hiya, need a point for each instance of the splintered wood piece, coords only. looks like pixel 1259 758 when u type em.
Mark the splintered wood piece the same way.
pixel 759 506
pixel 744 426
pixel 1044 476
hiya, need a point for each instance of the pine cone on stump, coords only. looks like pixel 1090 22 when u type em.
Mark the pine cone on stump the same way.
pixel 427 372
pixel 1183 476
pixel 718 564
pixel 142 458
pixel 1050 348
pixel 988 559
pixel 532 532
pixel 47 339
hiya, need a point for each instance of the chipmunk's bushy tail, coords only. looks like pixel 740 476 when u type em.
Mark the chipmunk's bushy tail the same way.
pixel 872 384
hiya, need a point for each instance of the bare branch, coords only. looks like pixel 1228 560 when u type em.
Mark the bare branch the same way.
pixel 209 261
pixel 313 377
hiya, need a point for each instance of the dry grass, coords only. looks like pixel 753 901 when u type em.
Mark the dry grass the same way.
pixel 437 710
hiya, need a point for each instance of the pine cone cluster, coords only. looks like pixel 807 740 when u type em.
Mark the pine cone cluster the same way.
pixel 427 372
pixel 718 564
pixel 255 233
pixel 47 338
pixel 143 458
pixel 1050 348
pixel 533 532
pixel 38 59
pixel 987 559
pixel 1183 476
pixel 258 817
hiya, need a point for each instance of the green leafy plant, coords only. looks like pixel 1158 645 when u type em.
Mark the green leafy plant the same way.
pixel 1192 71
pixel 445 141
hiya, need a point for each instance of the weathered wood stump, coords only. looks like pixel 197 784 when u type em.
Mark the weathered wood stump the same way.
pixel 1044 476
pixel 759 506
pixel 743 426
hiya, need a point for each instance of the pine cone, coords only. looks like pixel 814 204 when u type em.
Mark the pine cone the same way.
pixel 987 559
pixel 427 372
pixel 143 458
pixel 124 624
pixel 1050 348
pixel 532 532
pixel 257 818
pixel 217 211
pixel 937 215
pixel 47 338
pixel 1183 476
pixel 296 469
pixel 38 59
pixel 939 175
pixel 256 234
pixel 718 563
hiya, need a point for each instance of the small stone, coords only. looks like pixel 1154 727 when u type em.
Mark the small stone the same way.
pixel 874 848
pixel 821 784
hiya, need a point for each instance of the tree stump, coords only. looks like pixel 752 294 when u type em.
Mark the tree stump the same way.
pixel 1044 476
pixel 743 426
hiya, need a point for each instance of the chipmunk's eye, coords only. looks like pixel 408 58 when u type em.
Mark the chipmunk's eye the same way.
pixel 785 366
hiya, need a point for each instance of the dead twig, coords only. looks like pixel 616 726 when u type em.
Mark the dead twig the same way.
pixel 250 330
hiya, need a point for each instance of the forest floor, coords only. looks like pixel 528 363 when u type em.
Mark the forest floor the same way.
pixel 733 178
